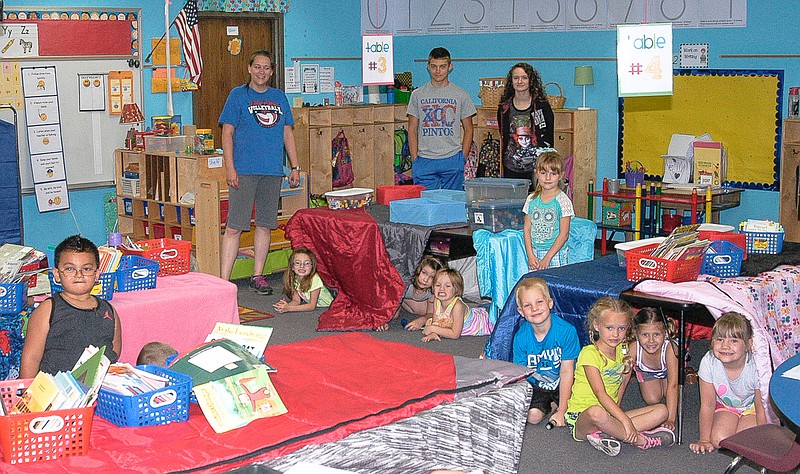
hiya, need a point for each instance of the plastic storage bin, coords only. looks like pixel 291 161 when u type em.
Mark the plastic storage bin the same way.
pixel 424 211
pixel 740 240
pixel 173 256
pixel 158 407
pixel 351 198
pixel 496 188
pixel 174 144
pixel 24 440
pixel 136 273
pixel 496 215
pixel 387 194
pixel 444 195
pixel 723 259
pixel 764 242
pixel 13 297
pixel 623 247
pixel 640 265
pixel 104 288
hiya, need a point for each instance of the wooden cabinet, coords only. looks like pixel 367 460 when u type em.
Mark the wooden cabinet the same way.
pixel 575 134
pixel 370 135
pixel 790 180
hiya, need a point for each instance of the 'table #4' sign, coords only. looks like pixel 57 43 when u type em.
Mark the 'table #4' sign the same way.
pixel 377 59
pixel 644 59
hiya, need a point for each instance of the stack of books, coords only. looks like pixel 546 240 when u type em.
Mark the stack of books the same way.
pixel 125 379
pixel 18 262
pixel 109 259
pixel 682 244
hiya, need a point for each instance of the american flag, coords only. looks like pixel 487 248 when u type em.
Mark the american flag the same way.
pixel 189 32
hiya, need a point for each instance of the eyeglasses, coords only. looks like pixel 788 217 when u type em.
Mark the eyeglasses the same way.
pixel 72 271
pixel 298 263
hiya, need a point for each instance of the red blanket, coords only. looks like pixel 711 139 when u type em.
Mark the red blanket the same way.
pixel 333 386
pixel 351 257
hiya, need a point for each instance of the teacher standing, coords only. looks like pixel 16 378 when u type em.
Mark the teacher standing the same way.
pixel 256 128
pixel 526 121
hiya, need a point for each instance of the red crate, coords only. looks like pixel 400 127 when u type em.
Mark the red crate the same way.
pixel 640 266
pixel 24 439
pixel 173 256
pixel 387 194
pixel 740 240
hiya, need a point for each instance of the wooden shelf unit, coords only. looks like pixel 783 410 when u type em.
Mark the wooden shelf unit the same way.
pixel 790 180
pixel 575 134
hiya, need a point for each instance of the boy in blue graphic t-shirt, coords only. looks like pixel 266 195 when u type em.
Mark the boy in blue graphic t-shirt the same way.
pixel 548 345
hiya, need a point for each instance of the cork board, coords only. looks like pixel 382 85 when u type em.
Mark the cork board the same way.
pixel 740 108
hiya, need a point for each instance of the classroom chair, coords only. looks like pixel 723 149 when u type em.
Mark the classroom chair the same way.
pixel 770 446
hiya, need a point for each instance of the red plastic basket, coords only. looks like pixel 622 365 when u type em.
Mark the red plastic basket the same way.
pixel 740 240
pixel 44 436
pixel 640 266
pixel 173 256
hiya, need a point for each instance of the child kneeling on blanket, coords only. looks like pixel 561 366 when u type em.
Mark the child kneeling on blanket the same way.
pixel 549 345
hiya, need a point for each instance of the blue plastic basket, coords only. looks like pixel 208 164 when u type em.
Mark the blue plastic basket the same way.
pixel 723 259
pixel 13 297
pixel 106 281
pixel 136 273
pixel 764 242
pixel 159 407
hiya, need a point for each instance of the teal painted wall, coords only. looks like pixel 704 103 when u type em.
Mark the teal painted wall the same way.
pixel 332 29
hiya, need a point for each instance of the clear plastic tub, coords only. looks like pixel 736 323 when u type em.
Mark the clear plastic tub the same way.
pixel 623 247
pixel 350 198
pixel 496 215
pixel 496 188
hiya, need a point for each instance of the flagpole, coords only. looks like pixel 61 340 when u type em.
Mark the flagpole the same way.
pixel 170 110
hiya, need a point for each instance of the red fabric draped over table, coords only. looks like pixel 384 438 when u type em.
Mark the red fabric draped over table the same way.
pixel 351 257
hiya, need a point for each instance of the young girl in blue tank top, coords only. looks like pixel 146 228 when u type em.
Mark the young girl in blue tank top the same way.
pixel 656 361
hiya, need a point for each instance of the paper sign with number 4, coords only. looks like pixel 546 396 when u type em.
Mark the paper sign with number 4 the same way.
pixel 644 59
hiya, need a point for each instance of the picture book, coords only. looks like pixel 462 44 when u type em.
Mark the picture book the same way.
pixel 72 390
pixel 126 379
pixel 90 370
pixel 235 401
pixel 252 338
pixel 41 395
pixel 215 360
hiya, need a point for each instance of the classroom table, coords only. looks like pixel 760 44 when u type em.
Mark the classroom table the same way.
pixel 180 311
pixel 783 393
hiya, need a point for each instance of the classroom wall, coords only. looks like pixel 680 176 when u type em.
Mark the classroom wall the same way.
pixel 310 25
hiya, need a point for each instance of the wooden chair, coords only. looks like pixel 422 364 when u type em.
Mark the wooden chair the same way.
pixel 772 447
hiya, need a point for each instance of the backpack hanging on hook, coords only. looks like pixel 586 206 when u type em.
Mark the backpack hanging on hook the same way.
pixel 341 162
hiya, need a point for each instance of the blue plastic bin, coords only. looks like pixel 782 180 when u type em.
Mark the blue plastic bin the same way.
pixel 723 259
pixel 106 281
pixel 158 407
pixel 136 273
pixel 428 212
pixel 13 297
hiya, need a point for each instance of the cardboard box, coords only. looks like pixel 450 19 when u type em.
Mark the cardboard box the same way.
pixel 617 213
pixel 710 165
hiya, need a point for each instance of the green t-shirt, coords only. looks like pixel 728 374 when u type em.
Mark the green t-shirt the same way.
pixel 325 297
pixel 610 370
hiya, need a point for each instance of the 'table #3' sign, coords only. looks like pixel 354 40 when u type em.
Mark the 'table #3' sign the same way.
pixel 644 59
pixel 377 59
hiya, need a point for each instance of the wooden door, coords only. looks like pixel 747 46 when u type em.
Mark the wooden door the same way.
pixel 222 70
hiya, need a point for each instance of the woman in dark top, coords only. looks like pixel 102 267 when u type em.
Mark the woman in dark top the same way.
pixel 525 119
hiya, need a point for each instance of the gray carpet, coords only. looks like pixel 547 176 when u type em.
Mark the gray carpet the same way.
pixel 551 451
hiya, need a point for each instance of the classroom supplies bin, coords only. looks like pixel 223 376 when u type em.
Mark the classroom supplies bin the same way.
pixel 424 211
pixel 350 198
pixel 66 434
pixel 763 242
pixel 171 144
pixel 496 215
pixel 740 240
pixel 173 256
pixel 158 407
pixel 496 188
pixel 723 259
pixel 623 247
pixel 13 297
pixel 387 194
pixel 617 213
pixel 136 273
pixel 104 288
pixel 444 194
pixel 640 265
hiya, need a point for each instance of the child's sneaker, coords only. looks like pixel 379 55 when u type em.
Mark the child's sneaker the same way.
pixel 603 442
pixel 260 285
pixel 657 437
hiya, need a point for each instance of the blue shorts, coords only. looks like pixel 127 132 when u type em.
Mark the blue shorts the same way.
pixel 441 173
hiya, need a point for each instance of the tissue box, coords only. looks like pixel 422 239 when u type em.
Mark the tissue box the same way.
pixel 617 213
pixel 710 165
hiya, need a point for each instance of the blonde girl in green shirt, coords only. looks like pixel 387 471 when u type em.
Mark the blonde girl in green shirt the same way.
pixel 302 286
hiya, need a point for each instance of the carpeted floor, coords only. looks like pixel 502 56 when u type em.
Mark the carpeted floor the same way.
pixel 551 451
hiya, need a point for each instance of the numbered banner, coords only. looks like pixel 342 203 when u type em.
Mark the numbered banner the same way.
pixel 644 59
pixel 377 59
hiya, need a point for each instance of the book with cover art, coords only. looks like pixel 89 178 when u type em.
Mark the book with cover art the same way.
pixel 90 370
pixel 41 395
pixel 214 361
pixel 252 338
pixel 235 401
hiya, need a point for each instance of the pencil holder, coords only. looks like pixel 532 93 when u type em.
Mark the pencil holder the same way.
pixel 632 178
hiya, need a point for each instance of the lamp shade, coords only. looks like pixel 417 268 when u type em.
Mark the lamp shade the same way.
pixel 584 76
pixel 131 114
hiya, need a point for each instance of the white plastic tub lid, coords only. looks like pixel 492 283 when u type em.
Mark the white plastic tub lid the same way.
pixel 498 182
pixel 716 227
pixel 349 192
pixel 625 246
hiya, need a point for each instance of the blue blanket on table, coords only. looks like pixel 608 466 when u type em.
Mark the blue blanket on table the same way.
pixel 574 288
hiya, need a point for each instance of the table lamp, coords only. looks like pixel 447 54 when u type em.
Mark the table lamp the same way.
pixel 133 115
pixel 584 77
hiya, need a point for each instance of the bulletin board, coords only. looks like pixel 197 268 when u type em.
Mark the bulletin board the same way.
pixel 740 108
